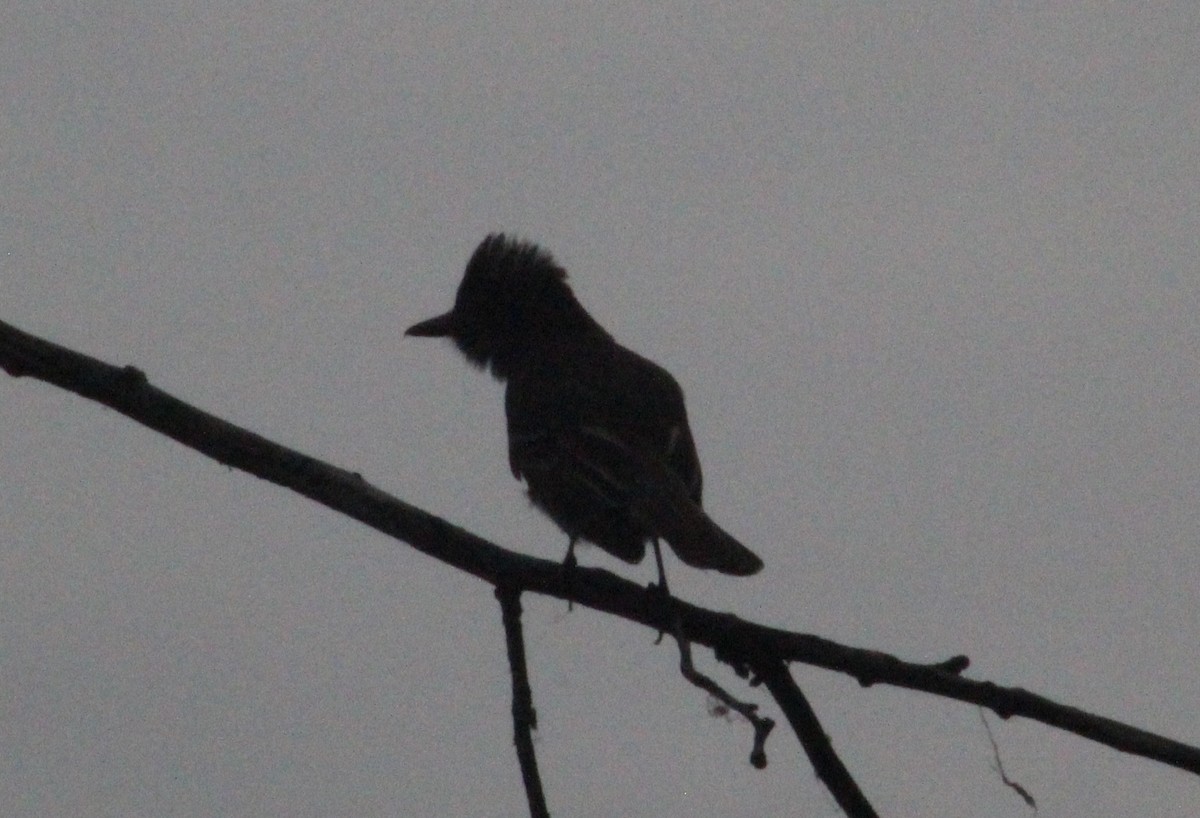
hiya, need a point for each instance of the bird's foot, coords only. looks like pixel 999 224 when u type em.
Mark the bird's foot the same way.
pixel 660 596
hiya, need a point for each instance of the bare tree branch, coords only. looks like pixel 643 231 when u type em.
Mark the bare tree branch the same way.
pixel 742 644
pixel 524 716
pixel 803 719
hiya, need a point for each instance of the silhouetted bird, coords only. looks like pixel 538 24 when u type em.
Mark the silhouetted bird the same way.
pixel 599 433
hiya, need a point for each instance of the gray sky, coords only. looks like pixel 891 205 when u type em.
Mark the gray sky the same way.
pixel 928 276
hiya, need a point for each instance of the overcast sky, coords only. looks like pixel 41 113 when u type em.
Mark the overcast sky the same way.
pixel 928 275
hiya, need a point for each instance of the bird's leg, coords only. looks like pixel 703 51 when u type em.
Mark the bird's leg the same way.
pixel 569 565
pixel 661 588
pixel 662 575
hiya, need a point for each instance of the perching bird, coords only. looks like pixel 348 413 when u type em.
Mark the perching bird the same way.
pixel 599 433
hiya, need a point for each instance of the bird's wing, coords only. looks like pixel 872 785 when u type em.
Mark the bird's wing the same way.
pixel 643 406
pixel 617 421
pixel 654 494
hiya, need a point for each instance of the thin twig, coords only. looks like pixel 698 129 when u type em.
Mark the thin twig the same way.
pixel 1013 785
pixel 749 711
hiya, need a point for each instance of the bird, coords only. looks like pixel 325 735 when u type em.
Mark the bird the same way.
pixel 598 433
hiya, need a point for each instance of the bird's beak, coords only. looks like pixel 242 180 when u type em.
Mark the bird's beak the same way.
pixel 438 327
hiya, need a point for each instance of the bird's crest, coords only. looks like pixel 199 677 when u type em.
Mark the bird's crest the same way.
pixel 513 298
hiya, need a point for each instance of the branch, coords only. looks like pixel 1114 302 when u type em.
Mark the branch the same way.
pixel 524 716
pixel 998 764
pixel 762 726
pixel 742 644
pixel 803 719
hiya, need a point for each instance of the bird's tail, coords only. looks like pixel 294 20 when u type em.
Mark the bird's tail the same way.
pixel 701 543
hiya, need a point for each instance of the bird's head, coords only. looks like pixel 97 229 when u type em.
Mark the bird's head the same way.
pixel 512 302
